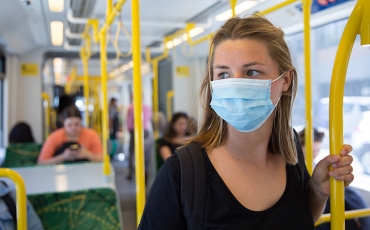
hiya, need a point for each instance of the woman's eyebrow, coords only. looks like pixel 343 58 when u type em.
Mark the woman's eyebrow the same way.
pixel 244 66
pixel 252 64
pixel 221 67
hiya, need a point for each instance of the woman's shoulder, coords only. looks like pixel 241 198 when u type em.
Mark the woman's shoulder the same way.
pixel 164 141
pixel 172 164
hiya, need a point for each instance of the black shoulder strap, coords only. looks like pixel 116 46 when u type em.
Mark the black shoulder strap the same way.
pixel 11 205
pixel 301 161
pixel 193 185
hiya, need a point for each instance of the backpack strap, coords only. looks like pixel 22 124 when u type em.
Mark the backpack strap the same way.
pixel 193 185
pixel 9 202
pixel 301 165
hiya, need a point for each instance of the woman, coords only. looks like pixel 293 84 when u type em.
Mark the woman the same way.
pixel 72 142
pixel 21 133
pixel 175 135
pixel 247 142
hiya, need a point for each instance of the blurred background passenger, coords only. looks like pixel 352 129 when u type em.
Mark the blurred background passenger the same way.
pixel 114 125
pixel 353 199
pixel 72 142
pixel 176 134
pixel 148 138
pixel 317 141
pixel 162 123
pixel 21 133
pixel 64 102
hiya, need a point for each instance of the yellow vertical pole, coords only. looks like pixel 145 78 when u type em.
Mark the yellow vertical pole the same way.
pixel 365 25
pixel 20 193
pixel 46 98
pixel 104 78
pixel 155 98
pixel 155 63
pixel 170 94
pixel 109 9
pixel 138 110
pixel 232 5
pixel 336 109
pixel 85 63
pixel 308 84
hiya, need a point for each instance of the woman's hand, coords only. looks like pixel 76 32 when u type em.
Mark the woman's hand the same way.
pixel 342 170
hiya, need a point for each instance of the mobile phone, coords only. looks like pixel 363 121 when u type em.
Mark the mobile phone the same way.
pixel 74 147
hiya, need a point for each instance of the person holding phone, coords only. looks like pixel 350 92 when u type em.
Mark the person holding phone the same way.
pixel 72 142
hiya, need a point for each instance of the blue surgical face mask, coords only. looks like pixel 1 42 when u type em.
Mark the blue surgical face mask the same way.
pixel 243 103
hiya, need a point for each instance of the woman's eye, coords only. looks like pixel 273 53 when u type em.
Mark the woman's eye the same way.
pixel 252 73
pixel 223 75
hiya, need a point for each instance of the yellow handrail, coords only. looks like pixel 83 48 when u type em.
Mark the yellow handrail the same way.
pixel 276 7
pixel 154 63
pixel 350 32
pixel 85 63
pixel 138 110
pixel 20 193
pixel 111 14
pixel 170 95
pixel 347 215
pixel 46 98
pixel 306 5
pixel 232 6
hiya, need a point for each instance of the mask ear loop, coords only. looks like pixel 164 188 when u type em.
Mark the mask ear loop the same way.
pixel 278 77
pixel 280 93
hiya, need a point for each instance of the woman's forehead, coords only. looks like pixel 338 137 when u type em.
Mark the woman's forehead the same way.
pixel 241 50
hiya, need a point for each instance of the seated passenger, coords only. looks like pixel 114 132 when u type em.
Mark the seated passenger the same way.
pixel 175 136
pixel 72 142
pixel 21 133
pixel 353 199
pixel 8 216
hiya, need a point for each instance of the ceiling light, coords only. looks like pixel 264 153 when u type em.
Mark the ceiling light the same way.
pixel 56 5
pixel 244 6
pixel 56 32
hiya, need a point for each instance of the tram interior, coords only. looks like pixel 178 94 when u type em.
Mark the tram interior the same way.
pixel 27 36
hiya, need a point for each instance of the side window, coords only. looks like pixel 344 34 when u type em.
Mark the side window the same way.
pixel 347 107
pixel 364 108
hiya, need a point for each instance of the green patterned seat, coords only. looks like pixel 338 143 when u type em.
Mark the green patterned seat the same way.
pixel 21 155
pixel 80 210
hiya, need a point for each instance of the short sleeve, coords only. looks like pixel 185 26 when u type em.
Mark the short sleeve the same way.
pixel 162 143
pixel 51 144
pixel 163 208
pixel 96 145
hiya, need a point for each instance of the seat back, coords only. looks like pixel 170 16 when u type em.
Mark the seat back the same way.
pixel 21 155
pixel 96 208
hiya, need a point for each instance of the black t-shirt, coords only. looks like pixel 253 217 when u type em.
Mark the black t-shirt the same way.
pixel 163 209
pixel 173 147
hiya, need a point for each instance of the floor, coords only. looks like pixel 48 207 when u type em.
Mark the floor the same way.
pixel 126 191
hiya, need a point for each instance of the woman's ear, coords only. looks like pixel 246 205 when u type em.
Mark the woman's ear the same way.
pixel 287 78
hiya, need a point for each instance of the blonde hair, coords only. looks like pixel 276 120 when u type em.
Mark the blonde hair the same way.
pixel 213 129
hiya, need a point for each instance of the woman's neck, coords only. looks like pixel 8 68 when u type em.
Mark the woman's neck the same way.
pixel 250 145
